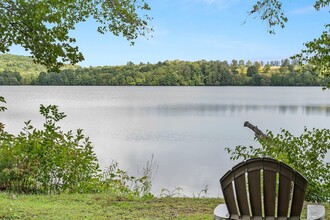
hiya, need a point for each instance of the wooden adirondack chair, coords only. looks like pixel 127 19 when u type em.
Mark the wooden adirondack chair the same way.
pixel 264 189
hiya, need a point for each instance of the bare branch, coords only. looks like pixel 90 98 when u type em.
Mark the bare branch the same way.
pixel 258 133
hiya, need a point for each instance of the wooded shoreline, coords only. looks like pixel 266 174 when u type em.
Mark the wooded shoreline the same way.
pixel 19 70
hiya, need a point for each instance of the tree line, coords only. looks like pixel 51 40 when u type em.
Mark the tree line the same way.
pixel 177 73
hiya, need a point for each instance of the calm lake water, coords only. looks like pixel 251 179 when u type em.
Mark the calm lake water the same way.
pixel 185 128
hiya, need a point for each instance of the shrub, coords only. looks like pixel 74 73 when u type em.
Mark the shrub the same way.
pixel 47 160
pixel 118 182
pixel 2 109
pixel 304 153
pixel 52 161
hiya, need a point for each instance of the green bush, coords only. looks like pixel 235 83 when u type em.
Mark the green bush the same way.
pixel 52 161
pixel 2 109
pixel 304 153
pixel 117 181
pixel 47 160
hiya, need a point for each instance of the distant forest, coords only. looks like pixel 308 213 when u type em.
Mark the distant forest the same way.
pixel 20 70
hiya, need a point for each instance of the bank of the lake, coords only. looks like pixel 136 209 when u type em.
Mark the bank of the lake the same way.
pixel 105 206
pixel 167 73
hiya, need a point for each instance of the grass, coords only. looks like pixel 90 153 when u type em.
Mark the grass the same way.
pixel 103 206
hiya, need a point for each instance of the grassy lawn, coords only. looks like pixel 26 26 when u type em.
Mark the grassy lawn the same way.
pixel 102 206
pixel 94 206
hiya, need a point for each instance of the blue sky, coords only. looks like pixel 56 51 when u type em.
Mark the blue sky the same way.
pixel 204 29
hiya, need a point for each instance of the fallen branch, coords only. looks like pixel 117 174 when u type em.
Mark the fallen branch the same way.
pixel 257 132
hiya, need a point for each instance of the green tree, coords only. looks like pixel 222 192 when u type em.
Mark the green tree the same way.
pixel 252 70
pixel 305 153
pixel 265 80
pixel 43 27
pixel 286 63
pixel 241 63
pixel 257 65
pixel 255 80
pixel 43 79
pixel 53 161
pixel 47 160
pixel 241 66
pixel 266 68
pixel 234 66
pixel 317 51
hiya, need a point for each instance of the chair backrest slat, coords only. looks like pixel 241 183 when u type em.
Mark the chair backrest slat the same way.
pixel 255 192
pixel 300 185
pixel 254 181
pixel 270 184
pixel 285 179
pixel 228 193
pixel 240 189
pixel 269 192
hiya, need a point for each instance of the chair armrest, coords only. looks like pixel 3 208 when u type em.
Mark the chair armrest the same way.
pixel 221 212
pixel 315 212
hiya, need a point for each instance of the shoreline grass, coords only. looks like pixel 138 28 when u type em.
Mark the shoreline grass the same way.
pixel 105 206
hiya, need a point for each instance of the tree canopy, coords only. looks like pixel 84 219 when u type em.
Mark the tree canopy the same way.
pixel 252 70
pixel 316 51
pixel 43 27
pixel 20 70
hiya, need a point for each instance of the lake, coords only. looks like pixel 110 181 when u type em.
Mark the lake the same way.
pixel 185 128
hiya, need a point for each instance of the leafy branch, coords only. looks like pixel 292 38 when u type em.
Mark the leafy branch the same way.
pixel 316 52
pixel 43 27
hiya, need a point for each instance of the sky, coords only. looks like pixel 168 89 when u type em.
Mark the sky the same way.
pixel 193 30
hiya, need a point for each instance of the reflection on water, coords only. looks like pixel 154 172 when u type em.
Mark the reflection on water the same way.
pixel 164 136
pixel 185 128
pixel 317 109
pixel 220 109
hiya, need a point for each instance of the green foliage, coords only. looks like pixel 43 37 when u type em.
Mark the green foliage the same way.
pixel 2 109
pixel 168 73
pixel 48 160
pixel 256 80
pixel 51 161
pixel 179 73
pixel 43 27
pixel 105 206
pixel 304 153
pixel 21 70
pixel 266 68
pixel 176 192
pixel 252 70
pixel 317 51
pixel 2 100
pixel 271 11
pixel 22 64
pixel 10 78
pixel 118 182
pixel 248 63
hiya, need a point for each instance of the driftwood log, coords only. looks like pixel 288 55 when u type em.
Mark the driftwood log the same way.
pixel 257 132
